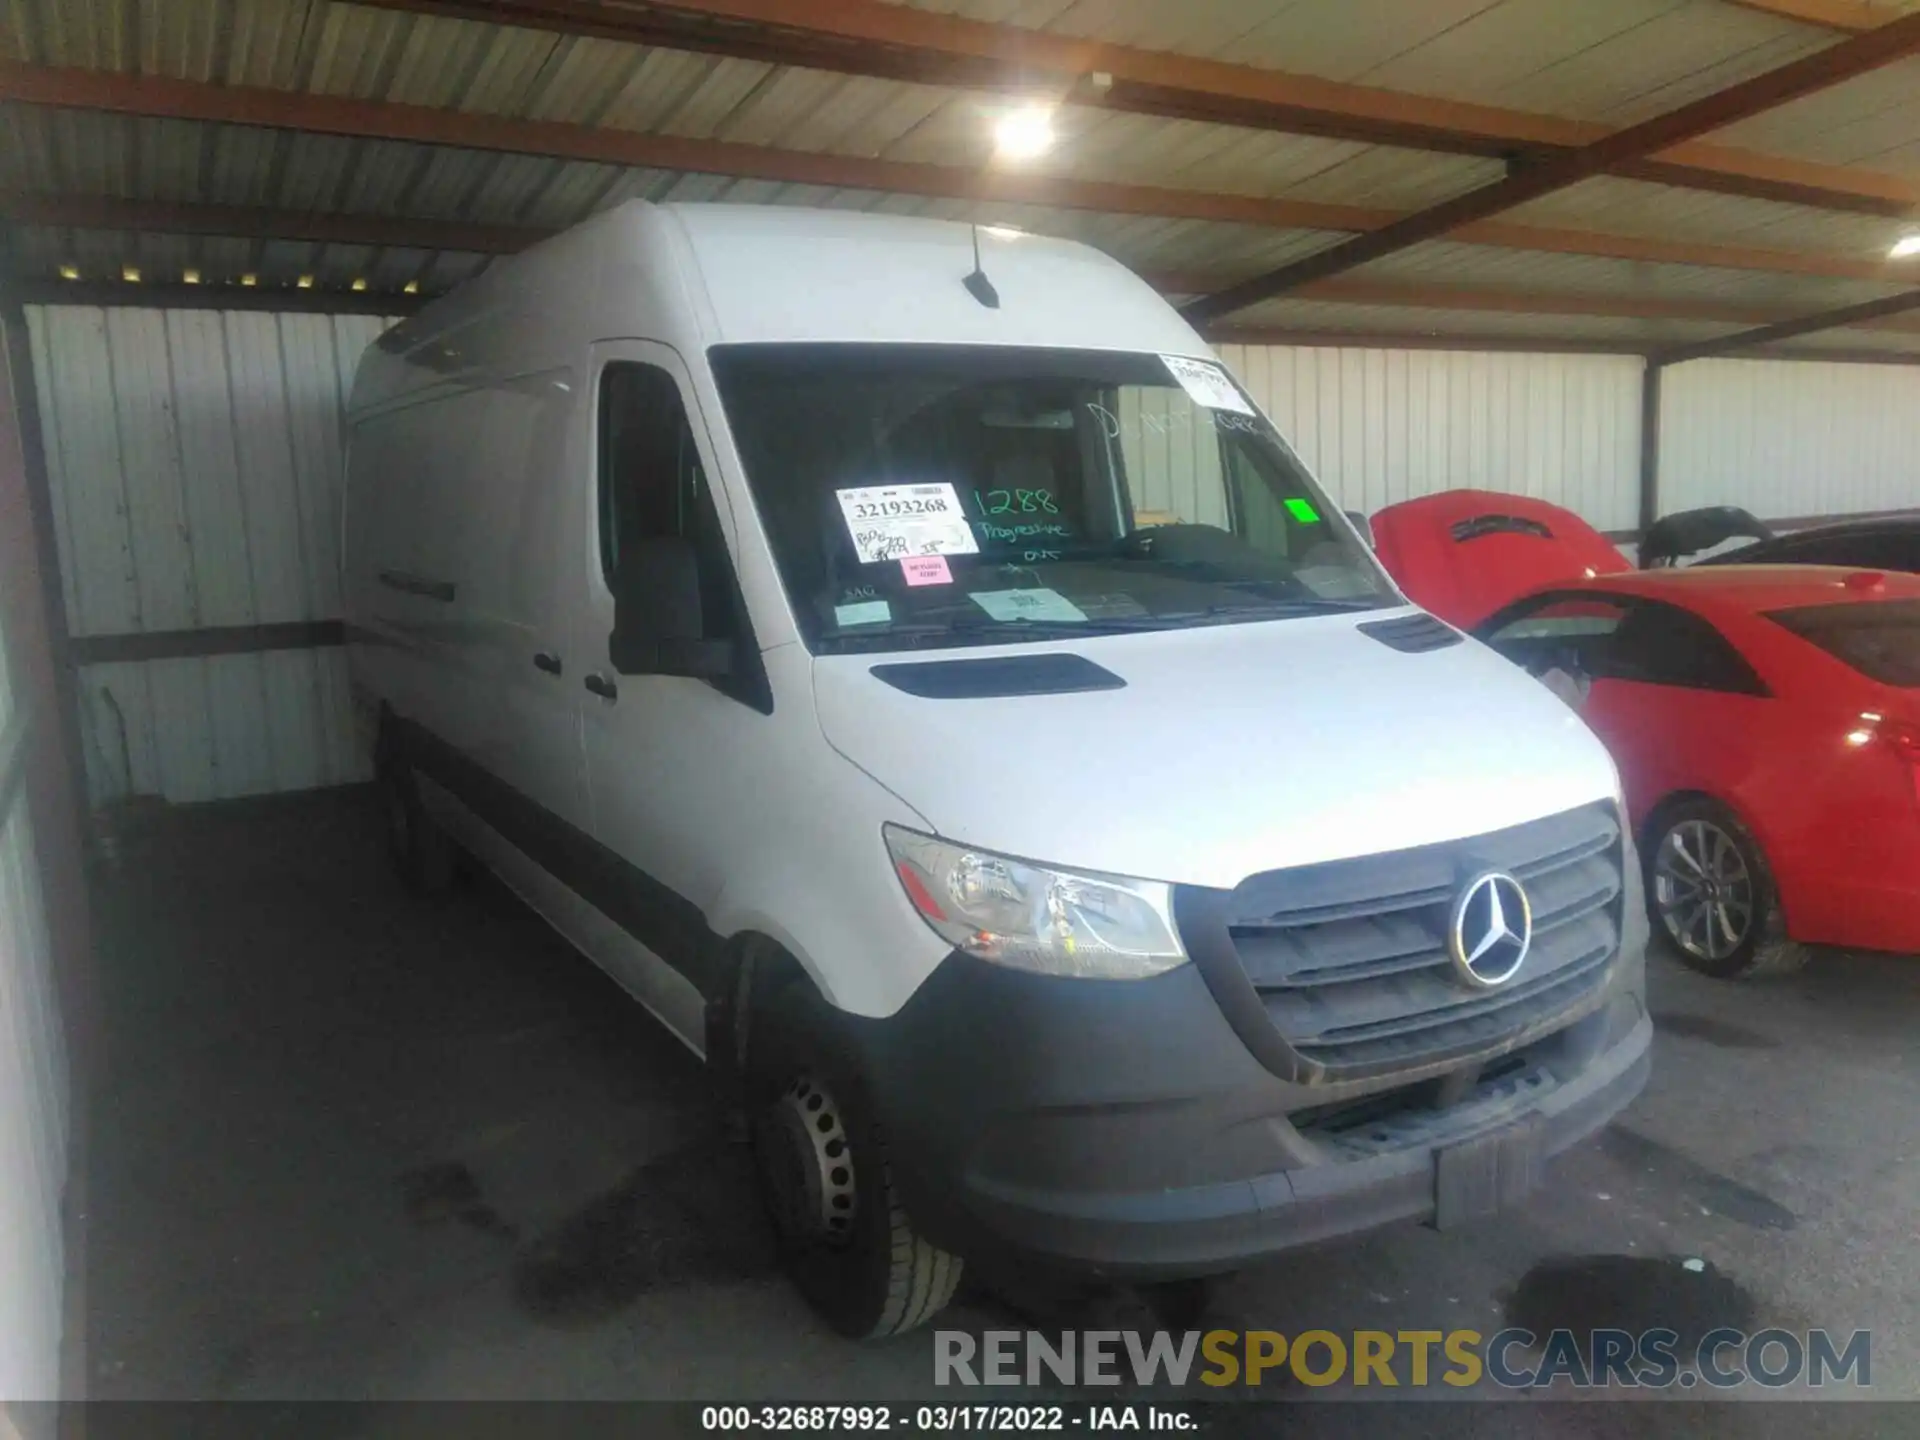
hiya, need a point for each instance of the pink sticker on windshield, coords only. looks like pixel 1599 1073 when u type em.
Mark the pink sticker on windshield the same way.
pixel 926 570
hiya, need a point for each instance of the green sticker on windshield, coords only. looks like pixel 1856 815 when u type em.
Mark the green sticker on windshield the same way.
pixel 1303 511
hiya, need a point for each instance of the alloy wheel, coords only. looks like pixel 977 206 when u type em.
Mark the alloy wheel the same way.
pixel 1703 889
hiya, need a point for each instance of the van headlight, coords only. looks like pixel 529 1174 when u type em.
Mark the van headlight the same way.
pixel 1052 922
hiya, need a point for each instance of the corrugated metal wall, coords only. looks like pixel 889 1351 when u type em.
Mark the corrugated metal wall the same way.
pixel 1790 438
pixel 194 459
pixel 33 1087
pixel 1377 426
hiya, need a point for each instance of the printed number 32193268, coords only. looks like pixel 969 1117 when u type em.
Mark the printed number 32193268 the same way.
pixel 884 509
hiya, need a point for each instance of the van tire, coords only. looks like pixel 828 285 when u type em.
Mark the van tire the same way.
pixel 422 853
pixel 1764 947
pixel 874 1275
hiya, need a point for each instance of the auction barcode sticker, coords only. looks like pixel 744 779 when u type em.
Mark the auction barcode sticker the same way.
pixel 892 522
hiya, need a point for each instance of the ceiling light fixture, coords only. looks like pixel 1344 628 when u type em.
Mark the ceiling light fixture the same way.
pixel 1906 247
pixel 359 284
pixel 305 282
pixel 249 279
pixel 190 277
pixel 1024 134
pixel 69 272
pixel 412 287
pixel 130 274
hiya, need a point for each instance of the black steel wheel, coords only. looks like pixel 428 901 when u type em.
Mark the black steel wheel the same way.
pixel 846 1238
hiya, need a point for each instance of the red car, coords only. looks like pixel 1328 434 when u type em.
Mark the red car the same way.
pixel 1765 718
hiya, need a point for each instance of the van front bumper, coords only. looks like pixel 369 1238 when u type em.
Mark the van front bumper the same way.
pixel 1123 1128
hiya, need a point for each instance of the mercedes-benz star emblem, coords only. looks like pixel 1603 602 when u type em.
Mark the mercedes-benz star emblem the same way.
pixel 1490 930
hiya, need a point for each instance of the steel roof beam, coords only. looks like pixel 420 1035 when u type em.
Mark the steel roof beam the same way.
pixel 899 42
pixel 1849 16
pixel 151 97
pixel 1533 179
pixel 393 232
pixel 164 217
pixel 1766 335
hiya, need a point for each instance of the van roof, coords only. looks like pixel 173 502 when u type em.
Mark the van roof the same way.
pixel 783 273
pixel 698 275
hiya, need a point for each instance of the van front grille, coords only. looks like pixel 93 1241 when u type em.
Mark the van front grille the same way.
pixel 1348 960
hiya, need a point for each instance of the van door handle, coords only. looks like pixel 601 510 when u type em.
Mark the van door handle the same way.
pixel 603 687
pixel 548 661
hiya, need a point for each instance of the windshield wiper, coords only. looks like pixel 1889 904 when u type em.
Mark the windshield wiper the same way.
pixel 1264 610
pixel 1314 605
pixel 975 629
pixel 915 631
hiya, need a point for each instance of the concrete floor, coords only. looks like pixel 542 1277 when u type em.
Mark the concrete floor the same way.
pixel 350 1145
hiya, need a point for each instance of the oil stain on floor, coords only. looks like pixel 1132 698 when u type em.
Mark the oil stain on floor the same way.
pixel 689 1217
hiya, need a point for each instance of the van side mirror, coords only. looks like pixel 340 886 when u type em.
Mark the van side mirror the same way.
pixel 1358 519
pixel 658 624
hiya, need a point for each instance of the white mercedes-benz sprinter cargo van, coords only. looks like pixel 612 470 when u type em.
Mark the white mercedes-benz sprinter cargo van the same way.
pixel 912 667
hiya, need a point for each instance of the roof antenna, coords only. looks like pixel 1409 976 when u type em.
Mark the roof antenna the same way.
pixel 978 285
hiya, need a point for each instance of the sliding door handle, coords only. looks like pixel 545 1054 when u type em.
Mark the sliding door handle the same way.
pixel 546 660
pixel 602 686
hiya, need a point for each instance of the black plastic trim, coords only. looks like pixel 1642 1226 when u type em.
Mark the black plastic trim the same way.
pixel 1412 634
pixel 663 920
pixel 1054 672
pixel 1203 918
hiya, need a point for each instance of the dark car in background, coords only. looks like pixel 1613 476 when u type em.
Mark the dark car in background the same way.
pixel 1882 542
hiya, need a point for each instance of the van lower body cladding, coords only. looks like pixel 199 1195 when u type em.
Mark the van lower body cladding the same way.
pixel 1122 1126
pixel 1319 1068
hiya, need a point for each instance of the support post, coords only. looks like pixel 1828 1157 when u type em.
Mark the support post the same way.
pixel 1650 444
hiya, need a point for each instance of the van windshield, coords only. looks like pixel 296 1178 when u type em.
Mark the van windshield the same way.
pixel 922 495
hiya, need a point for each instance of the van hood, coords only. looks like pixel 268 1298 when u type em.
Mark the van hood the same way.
pixel 1222 752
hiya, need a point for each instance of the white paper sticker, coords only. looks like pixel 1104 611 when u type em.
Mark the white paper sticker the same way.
pixel 1206 384
pixel 1036 604
pixel 863 612
pixel 891 522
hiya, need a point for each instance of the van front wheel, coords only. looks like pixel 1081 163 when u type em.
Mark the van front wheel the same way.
pixel 847 1241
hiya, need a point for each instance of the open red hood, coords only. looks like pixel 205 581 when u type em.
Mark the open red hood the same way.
pixel 1465 553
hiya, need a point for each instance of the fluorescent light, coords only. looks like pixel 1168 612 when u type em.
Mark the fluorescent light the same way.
pixel 1905 247
pixel 412 287
pixel 69 272
pixel 305 282
pixel 1024 133
pixel 190 277
pixel 359 284
pixel 249 279
pixel 130 273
